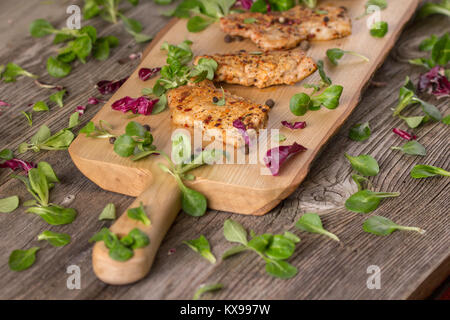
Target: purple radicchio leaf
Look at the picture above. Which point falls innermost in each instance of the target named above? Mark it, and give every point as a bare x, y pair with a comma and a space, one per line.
238, 124
107, 87
141, 105
435, 82
275, 157
134, 56
147, 73
4, 104
16, 164
403, 134
93, 101
246, 4
80, 109
295, 125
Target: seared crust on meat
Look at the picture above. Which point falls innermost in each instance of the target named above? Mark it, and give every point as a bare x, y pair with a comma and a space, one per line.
192, 104
263, 70
285, 30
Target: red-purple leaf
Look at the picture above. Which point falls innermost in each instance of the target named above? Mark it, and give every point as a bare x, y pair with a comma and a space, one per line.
295, 125
147, 73
80, 109
275, 157
135, 56
238, 124
141, 105
246, 4
4, 104
107, 87
16, 164
403, 134
93, 101
435, 82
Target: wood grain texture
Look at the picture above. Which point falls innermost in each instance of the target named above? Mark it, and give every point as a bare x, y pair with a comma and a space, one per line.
226, 185
412, 265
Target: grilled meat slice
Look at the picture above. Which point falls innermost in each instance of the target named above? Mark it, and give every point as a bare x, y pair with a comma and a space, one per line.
193, 105
286, 29
262, 70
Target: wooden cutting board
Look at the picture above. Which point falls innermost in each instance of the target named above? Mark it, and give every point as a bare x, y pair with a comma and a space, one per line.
238, 188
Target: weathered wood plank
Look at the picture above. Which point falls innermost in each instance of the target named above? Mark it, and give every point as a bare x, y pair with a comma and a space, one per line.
326, 269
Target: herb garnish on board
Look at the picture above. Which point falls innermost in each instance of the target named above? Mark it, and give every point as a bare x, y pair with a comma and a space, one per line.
177, 72
300, 103
136, 141
192, 202
121, 249
201, 13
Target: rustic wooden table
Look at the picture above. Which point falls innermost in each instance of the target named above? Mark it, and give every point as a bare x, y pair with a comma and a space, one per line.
411, 265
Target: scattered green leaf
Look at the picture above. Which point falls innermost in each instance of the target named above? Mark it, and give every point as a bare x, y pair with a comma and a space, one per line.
9, 204
274, 249
360, 132
381, 226
311, 222
430, 8
58, 98
413, 148
12, 71
425, 171
201, 246
364, 164
20, 260
366, 201
108, 212
54, 238
206, 288
40, 106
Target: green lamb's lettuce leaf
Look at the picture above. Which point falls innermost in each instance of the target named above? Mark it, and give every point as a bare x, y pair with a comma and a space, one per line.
139, 214
20, 260
54, 238
273, 249
201, 246
9, 204
311, 222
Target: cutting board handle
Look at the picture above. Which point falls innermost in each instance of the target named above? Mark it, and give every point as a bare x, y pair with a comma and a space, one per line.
162, 202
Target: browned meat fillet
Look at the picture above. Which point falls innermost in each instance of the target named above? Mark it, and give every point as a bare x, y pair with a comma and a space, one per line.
262, 70
285, 30
193, 104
